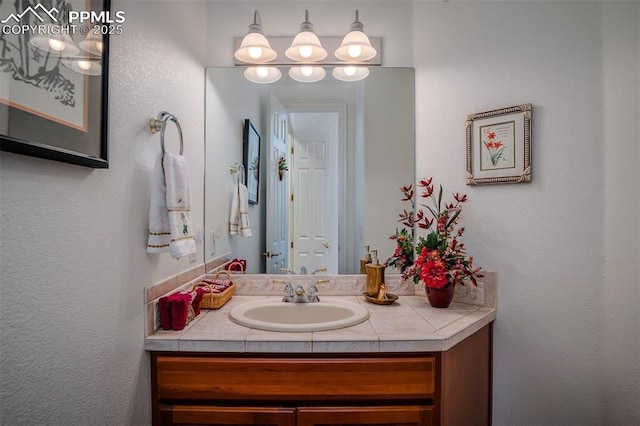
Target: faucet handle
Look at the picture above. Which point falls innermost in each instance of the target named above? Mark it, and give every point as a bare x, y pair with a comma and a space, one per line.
322, 281
279, 281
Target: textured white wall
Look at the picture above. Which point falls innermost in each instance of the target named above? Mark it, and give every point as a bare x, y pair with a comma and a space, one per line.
566, 337
73, 259
620, 373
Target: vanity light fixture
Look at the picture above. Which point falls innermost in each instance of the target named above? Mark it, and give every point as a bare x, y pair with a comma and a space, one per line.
262, 74
307, 73
305, 56
356, 46
306, 46
255, 48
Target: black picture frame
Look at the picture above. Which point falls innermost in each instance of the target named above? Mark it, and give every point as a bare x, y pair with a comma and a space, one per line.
251, 160
27, 131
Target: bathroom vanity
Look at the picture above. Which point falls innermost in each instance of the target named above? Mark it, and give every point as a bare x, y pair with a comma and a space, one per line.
407, 364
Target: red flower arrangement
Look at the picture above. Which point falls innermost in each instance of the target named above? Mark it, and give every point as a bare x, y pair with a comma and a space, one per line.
442, 259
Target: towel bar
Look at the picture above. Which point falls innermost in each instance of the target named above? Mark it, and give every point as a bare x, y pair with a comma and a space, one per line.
238, 168
159, 124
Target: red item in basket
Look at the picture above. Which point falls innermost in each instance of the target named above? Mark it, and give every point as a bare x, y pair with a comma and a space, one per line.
217, 286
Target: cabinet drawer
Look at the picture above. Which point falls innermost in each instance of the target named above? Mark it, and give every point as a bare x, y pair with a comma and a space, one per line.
393, 415
248, 416
294, 379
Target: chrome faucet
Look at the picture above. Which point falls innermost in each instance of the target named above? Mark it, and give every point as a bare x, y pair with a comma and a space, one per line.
299, 295
288, 292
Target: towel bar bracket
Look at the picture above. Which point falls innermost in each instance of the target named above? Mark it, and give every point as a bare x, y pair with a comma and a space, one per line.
158, 124
155, 124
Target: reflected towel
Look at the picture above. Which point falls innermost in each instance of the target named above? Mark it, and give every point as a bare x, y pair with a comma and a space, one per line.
239, 218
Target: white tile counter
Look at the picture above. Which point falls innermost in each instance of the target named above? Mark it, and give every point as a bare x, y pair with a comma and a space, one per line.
408, 325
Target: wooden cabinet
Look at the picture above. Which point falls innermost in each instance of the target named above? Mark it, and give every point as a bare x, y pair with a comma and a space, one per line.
448, 388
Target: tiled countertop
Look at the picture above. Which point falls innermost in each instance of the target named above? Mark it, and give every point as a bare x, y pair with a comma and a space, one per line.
409, 325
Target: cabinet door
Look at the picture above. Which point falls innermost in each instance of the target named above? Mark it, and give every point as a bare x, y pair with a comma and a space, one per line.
338, 416
207, 415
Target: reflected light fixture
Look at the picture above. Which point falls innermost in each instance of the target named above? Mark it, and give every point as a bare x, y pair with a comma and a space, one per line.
350, 73
356, 46
306, 46
56, 41
83, 66
255, 48
262, 74
307, 73
92, 44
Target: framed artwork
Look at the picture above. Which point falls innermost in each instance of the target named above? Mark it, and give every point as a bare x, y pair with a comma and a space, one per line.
53, 80
251, 154
499, 146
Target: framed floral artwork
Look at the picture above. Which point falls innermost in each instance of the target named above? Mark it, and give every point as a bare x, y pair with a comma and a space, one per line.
499, 146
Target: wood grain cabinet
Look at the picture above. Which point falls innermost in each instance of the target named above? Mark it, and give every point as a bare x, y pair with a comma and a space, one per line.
433, 388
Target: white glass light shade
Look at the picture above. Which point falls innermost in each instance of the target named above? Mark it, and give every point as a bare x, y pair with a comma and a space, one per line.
350, 73
55, 42
255, 48
355, 46
306, 46
262, 74
92, 44
307, 74
83, 66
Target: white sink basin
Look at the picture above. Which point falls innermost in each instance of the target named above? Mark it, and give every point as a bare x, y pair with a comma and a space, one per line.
276, 315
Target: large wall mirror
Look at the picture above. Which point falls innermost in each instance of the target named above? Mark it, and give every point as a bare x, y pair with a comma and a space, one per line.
333, 157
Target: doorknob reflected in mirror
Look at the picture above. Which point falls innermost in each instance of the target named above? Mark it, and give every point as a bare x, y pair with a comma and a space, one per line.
325, 244
269, 254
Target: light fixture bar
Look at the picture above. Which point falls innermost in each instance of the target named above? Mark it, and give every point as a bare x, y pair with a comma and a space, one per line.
330, 43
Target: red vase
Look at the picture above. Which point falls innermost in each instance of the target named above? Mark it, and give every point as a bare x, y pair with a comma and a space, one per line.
440, 297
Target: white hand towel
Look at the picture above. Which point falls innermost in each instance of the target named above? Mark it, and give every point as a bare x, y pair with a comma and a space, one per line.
179, 205
239, 218
159, 231
170, 226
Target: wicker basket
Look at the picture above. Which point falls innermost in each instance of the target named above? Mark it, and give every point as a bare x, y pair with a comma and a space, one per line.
236, 266
211, 299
